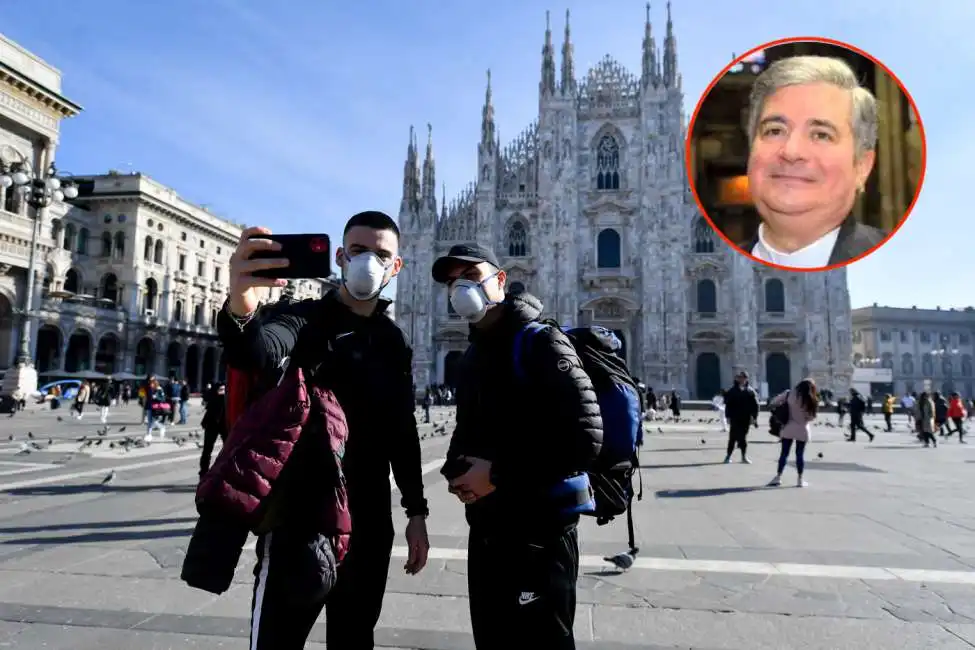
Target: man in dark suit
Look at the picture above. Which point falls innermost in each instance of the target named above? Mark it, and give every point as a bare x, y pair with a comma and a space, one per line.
813, 134
853, 239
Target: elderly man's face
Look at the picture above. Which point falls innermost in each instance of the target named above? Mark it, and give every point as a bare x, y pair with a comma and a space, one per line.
802, 170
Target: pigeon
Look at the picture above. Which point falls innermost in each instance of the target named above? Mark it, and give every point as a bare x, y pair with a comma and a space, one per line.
30, 434
121, 429
50, 441
820, 454
623, 561
109, 478
10, 437
703, 441
60, 419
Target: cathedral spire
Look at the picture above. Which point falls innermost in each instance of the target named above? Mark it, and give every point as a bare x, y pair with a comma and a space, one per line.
487, 118
568, 68
670, 53
547, 86
443, 203
410, 188
430, 175
650, 75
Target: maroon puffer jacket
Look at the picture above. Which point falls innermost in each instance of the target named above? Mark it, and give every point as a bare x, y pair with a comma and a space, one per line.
260, 443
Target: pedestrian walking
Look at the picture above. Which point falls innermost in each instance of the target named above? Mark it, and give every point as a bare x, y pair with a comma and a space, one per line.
926, 419
214, 424
957, 414
801, 406
888, 409
81, 399
718, 404
103, 400
857, 407
350, 336
741, 409
518, 466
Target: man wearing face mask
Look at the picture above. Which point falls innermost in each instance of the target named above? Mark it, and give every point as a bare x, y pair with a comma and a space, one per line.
517, 442
370, 361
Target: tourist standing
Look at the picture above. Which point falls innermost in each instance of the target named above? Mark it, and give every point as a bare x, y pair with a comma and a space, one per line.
803, 404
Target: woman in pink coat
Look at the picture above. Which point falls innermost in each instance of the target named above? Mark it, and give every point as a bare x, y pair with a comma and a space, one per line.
803, 404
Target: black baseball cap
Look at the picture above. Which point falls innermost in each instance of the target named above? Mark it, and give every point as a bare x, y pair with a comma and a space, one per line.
462, 254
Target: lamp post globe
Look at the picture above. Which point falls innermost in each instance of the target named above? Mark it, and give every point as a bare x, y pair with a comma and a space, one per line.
39, 190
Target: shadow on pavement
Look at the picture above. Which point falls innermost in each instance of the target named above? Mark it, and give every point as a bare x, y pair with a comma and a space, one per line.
134, 523
681, 465
103, 536
906, 445
708, 492
60, 490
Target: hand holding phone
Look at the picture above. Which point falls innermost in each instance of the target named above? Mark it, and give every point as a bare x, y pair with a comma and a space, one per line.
307, 255
255, 252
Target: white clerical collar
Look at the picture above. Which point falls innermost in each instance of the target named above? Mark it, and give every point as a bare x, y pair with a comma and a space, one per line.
813, 256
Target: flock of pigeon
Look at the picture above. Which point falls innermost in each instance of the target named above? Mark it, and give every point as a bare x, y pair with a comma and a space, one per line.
126, 444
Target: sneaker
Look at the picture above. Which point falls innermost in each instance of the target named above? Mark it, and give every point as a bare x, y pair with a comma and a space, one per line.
148, 437
727, 460
745, 459
775, 482
800, 483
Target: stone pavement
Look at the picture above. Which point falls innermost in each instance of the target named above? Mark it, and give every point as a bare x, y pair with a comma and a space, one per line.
879, 551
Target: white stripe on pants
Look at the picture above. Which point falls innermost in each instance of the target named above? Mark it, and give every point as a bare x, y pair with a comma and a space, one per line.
259, 593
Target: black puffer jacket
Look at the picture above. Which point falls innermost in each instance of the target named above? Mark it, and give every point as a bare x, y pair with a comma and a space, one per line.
741, 404
536, 431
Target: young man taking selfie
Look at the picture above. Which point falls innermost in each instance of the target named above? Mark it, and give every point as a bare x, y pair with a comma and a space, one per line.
369, 362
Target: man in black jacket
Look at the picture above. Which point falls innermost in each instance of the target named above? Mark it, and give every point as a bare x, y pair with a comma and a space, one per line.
741, 411
519, 439
370, 360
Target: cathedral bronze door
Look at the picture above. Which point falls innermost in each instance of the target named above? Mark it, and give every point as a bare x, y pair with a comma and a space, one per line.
707, 375
451, 368
778, 373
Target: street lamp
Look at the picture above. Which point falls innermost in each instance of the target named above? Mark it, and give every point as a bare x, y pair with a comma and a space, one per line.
39, 190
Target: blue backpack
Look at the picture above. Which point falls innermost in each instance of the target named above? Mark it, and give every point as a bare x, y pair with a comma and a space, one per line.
611, 478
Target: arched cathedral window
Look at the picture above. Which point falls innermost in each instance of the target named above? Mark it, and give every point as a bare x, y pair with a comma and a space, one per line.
703, 237
517, 240
607, 164
774, 296
608, 253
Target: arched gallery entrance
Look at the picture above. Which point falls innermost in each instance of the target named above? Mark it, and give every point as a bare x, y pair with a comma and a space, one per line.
78, 357
145, 357
48, 350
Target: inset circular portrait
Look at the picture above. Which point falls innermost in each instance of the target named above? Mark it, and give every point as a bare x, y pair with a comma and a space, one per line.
806, 154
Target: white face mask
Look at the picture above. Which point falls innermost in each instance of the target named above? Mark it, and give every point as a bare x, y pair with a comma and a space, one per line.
364, 276
469, 299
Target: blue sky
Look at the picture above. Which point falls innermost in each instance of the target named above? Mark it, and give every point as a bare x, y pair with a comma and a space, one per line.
296, 114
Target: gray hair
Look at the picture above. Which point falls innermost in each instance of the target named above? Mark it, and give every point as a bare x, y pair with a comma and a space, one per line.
797, 70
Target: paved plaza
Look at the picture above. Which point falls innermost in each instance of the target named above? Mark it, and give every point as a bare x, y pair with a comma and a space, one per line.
879, 551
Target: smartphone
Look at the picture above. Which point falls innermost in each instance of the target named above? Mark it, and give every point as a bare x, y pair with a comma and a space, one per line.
455, 468
310, 256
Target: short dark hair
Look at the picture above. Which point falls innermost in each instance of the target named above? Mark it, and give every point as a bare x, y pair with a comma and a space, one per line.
371, 219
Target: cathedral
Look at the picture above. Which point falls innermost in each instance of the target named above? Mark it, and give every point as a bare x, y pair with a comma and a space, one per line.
589, 210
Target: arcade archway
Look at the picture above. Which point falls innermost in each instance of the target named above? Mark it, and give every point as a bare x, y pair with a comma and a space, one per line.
106, 354
145, 357
50, 340
78, 357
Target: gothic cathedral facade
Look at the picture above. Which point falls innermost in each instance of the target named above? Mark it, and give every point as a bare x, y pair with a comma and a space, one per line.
589, 210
